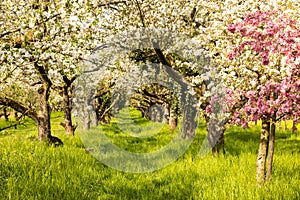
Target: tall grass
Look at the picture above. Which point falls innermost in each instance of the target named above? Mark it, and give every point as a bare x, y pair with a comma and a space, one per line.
32, 170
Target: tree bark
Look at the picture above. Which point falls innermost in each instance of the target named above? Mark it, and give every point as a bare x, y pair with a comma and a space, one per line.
271, 150
294, 128
94, 118
44, 127
173, 121
166, 113
215, 130
43, 118
262, 152
189, 113
5, 113
86, 117
189, 122
68, 126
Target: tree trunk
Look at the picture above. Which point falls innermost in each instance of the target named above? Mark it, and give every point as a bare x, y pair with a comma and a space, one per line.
215, 130
44, 128
145, 113
189, 122
86, 118
262, 152
5, 114
188, 130
68, 126
271, 150
166, 113
173, 121
43, 121
16, 116
94, 118
294, 128
42, 118
156, 113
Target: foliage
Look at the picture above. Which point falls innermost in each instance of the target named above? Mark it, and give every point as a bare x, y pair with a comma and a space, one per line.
271, 34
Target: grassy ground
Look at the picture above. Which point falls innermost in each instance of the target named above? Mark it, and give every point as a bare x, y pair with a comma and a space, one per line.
32, 170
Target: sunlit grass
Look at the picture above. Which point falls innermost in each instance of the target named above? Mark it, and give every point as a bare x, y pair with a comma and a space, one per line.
32, 170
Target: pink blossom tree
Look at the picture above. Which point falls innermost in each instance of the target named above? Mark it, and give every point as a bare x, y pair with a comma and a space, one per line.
275, 39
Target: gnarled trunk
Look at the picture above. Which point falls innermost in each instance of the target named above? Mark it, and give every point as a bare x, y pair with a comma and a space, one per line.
44, 128
68, 126
262, 152
215, 130
189, 122
43, 118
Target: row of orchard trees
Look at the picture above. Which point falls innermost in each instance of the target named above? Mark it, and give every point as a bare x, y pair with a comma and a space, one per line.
41, 43
256, 56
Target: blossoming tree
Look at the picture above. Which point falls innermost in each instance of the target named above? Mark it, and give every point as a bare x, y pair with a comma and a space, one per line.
275, 39
41, 43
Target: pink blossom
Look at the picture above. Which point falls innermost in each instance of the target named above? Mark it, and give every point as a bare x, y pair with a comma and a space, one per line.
208, 109
231, 28
232, 55
265, 61
269, 33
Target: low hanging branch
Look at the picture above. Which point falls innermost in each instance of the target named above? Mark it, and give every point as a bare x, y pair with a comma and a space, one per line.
113, 3
18, 107
10, 126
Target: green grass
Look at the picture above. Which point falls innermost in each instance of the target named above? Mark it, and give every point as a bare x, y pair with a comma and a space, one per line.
32, 170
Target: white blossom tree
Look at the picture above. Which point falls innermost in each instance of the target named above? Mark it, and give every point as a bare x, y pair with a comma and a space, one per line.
41, 43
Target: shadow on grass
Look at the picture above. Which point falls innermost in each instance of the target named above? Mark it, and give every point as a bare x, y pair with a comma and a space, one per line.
238, 140
287, 146
128, 120
14, 126
112, 127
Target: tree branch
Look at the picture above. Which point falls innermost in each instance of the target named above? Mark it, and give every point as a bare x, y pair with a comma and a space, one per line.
43, 73
113, 3
27, 27
17, 106
140, 13
161, 57
68, 81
